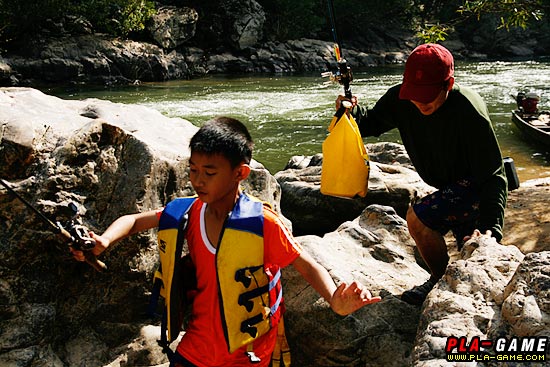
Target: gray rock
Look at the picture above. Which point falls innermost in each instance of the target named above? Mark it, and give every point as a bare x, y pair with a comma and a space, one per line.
526, 305
171, 27
114, 159
391, 184
376, 250
5, 70
250, 25
522, 50
97, 59
466, 301
243, 22
111, 159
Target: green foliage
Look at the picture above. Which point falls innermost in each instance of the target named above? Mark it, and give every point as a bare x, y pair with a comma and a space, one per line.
433, 20
511, 14
433, 33
24, 18
116, 17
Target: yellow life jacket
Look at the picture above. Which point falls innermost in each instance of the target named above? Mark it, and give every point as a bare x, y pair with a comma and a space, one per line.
250, 292
168, 280
345, 170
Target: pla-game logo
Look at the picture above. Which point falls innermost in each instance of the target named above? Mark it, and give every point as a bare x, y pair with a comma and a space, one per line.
527, 349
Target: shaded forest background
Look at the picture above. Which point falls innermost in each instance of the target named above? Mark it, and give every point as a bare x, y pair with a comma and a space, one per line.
22, 21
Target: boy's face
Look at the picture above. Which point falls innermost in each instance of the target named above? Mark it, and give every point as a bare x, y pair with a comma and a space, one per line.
213, 178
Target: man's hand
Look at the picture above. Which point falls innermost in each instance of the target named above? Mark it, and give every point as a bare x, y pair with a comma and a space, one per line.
476, 234
347, 299
342, 98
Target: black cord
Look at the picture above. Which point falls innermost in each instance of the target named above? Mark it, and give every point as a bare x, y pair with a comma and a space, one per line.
330, 4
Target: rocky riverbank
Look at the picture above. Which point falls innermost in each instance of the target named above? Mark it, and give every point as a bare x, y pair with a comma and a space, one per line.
173, 50
112, 159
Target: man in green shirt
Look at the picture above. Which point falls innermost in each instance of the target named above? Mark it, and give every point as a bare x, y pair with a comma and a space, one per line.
448, 135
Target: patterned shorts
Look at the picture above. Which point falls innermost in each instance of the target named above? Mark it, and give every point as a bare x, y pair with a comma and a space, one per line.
452, 208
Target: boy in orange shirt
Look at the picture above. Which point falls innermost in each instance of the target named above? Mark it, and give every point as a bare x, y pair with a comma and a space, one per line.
223, 223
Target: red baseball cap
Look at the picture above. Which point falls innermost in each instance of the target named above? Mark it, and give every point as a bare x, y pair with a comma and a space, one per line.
427, 69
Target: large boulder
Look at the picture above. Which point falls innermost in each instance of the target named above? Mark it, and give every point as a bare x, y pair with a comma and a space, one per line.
248, 26
110, 159
170, 27
526, 300
376, 250
96, 59
230, 26
468, 300
392, 183
489, 291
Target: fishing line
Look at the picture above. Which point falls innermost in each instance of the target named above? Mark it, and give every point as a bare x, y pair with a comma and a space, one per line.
332, 18
344, 75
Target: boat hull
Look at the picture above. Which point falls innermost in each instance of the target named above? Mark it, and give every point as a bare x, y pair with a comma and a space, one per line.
534, 130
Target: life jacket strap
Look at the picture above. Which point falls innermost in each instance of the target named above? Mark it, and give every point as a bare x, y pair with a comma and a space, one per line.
245, 299
154, 299
163, 341
281, 353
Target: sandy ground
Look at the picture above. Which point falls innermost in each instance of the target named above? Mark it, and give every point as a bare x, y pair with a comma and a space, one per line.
527, 217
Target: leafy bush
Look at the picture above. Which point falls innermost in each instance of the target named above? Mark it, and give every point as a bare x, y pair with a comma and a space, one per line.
116, 17
286, 19
23, 18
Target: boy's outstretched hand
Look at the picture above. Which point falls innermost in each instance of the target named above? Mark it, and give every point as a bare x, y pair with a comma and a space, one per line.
343, 299
349, 298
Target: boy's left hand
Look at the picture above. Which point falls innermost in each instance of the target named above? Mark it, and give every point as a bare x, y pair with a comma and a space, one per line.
349, 298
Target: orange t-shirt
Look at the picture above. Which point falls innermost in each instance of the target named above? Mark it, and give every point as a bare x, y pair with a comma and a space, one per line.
204, 343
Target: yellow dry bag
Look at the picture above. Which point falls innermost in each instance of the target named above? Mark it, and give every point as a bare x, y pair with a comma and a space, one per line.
345, 170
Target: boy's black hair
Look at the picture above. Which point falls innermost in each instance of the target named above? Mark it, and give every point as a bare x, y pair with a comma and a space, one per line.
225, 136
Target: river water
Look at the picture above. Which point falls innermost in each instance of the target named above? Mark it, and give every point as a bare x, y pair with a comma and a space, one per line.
288, 114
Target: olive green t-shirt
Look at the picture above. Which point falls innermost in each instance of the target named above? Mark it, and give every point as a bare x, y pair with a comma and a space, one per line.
457, 141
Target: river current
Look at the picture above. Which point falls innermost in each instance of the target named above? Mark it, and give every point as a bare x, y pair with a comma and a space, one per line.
288, 114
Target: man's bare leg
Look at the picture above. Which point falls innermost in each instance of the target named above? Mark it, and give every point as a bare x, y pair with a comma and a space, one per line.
430, 244
433, 249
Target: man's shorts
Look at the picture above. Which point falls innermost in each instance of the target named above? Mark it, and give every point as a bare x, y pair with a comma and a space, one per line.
452, 208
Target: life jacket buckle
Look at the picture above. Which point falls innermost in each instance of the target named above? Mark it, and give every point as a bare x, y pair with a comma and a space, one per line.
249, 329
252, 357
244, 276
247, 303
